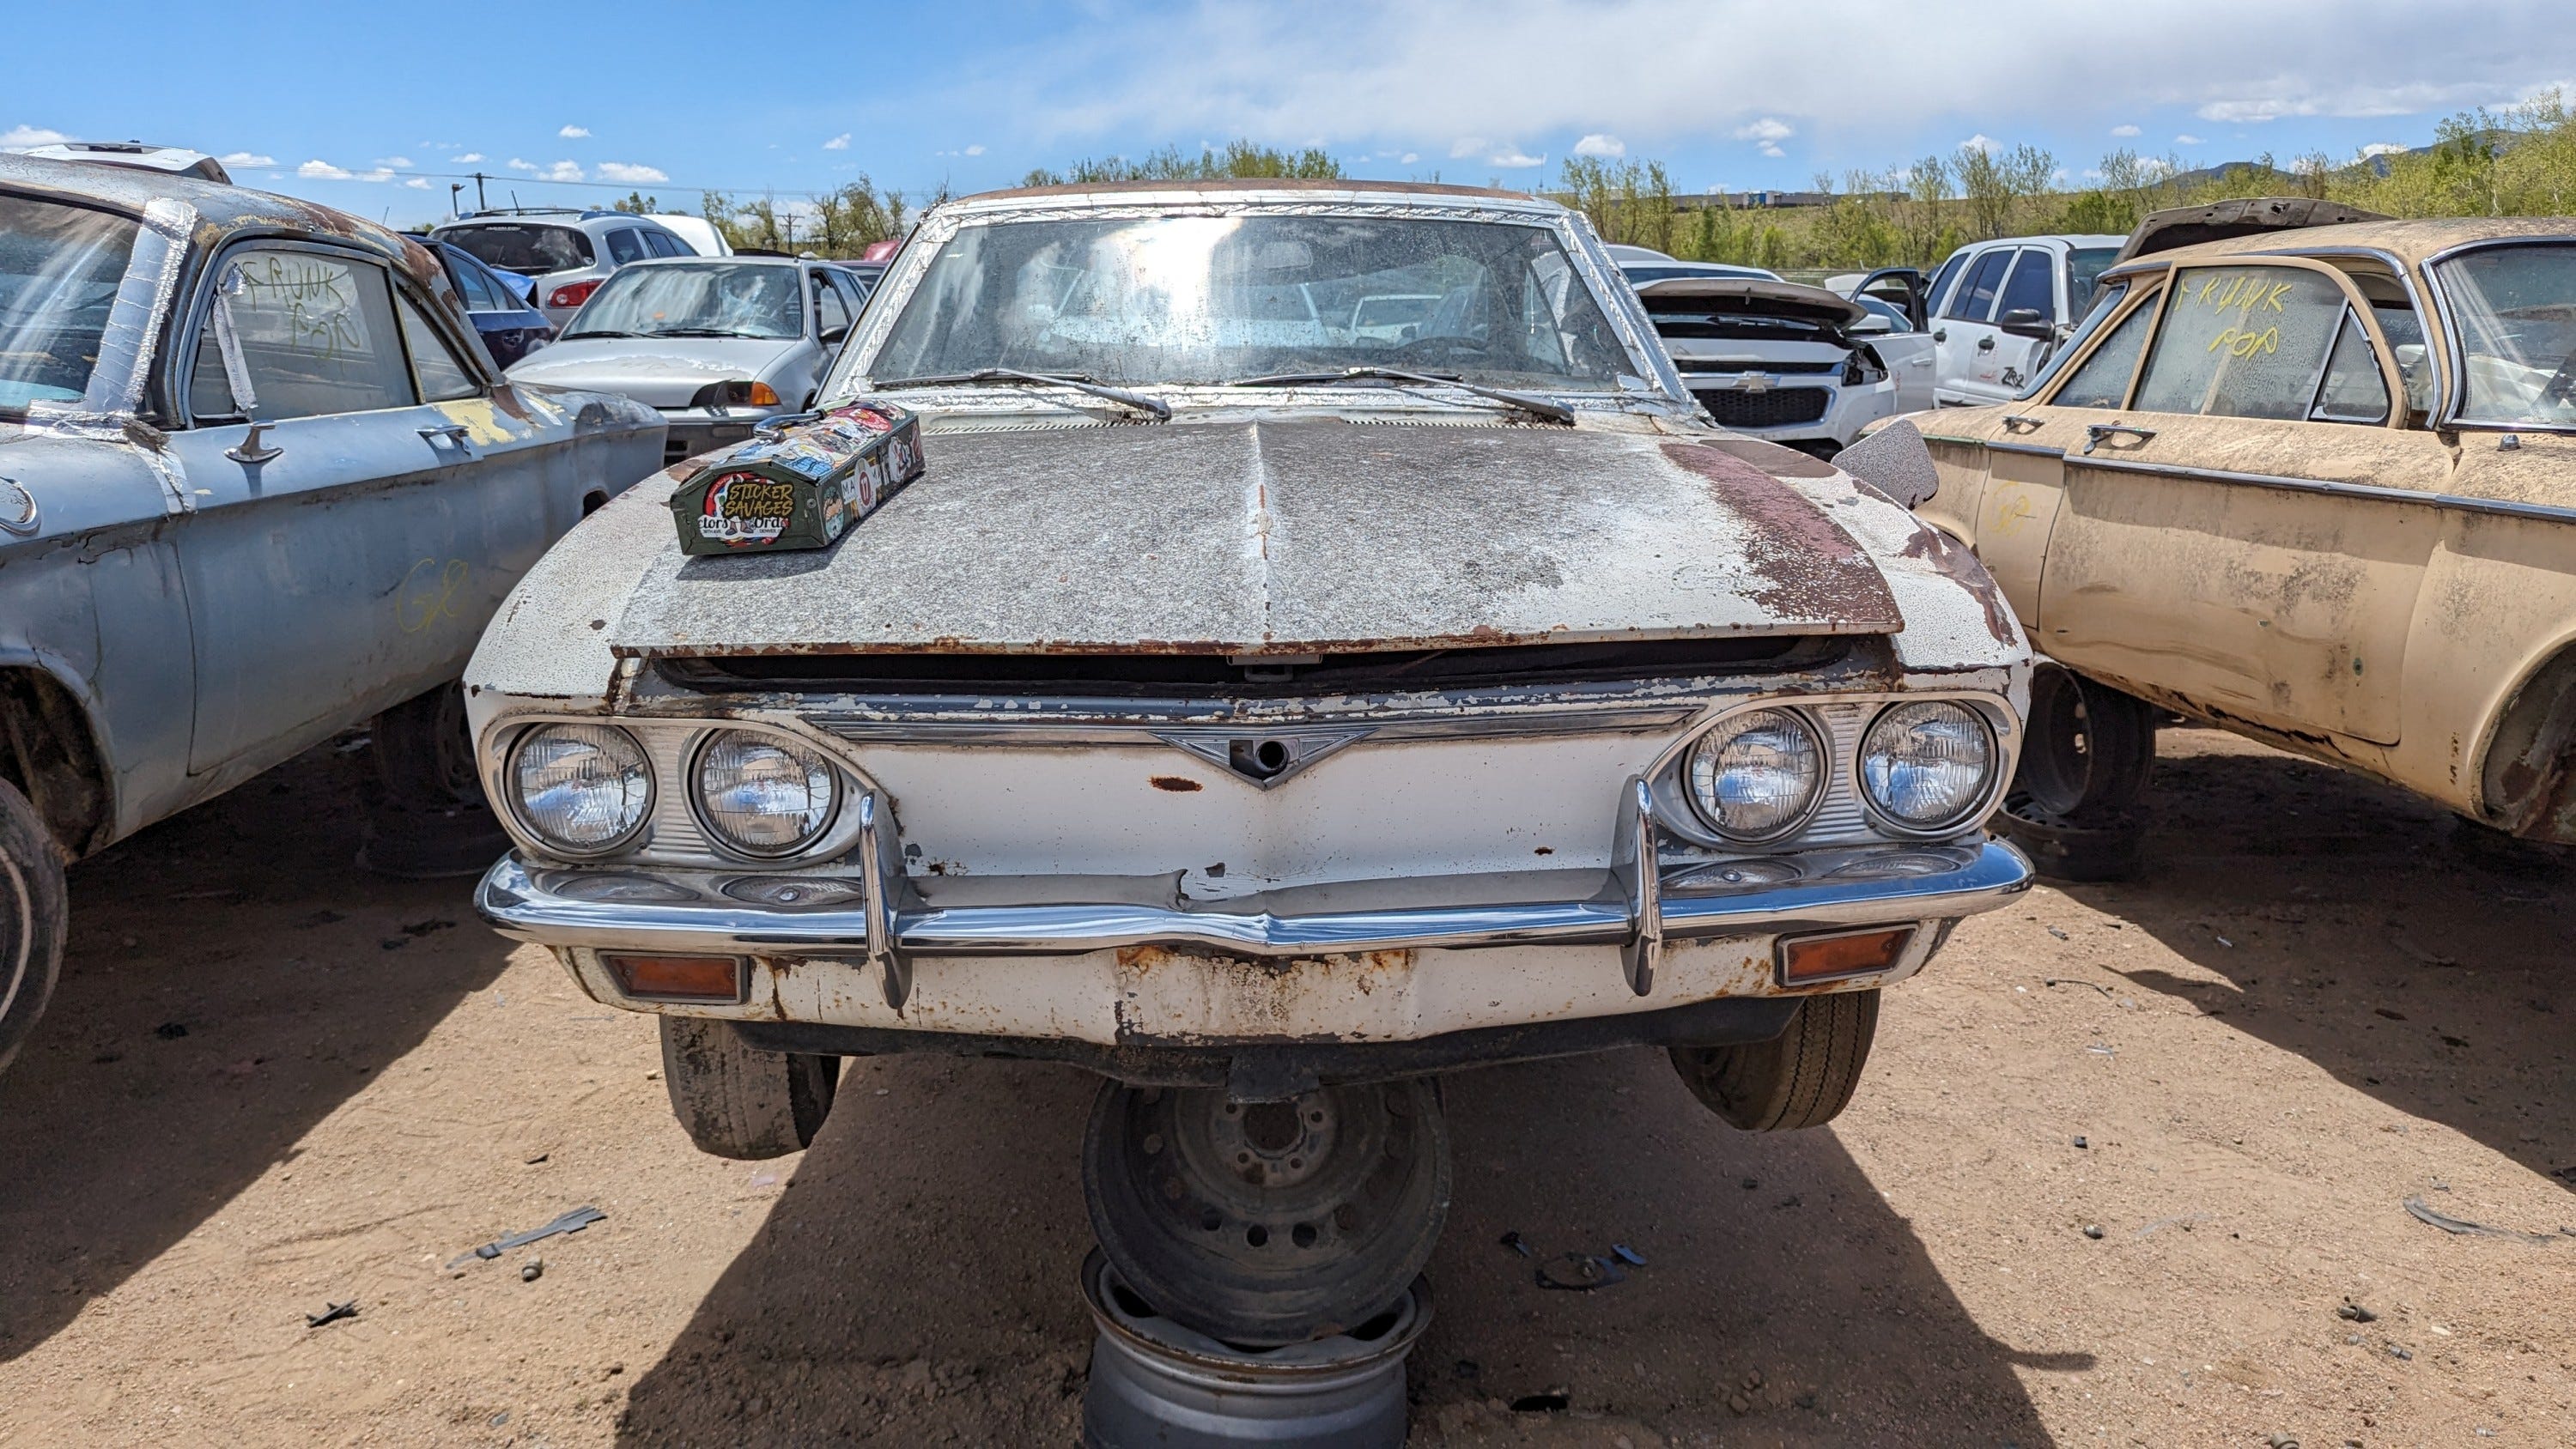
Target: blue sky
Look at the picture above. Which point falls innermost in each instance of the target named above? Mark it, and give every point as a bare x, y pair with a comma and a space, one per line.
375, 110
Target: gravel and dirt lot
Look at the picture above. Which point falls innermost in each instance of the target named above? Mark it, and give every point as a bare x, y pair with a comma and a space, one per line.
270, 1083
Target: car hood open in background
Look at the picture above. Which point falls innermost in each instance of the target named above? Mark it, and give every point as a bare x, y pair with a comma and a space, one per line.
1756, 297
664, 372
1283, 537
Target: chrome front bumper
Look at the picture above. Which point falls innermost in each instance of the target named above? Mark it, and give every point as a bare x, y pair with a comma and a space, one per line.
882, 919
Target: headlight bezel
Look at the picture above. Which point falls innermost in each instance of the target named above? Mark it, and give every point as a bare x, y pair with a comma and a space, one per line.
693, 763
515, 801
1820, 740
1842, 816
1979, 803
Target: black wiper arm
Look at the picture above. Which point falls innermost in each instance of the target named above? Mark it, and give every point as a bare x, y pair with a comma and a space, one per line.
1074, 380
1526, 402
703, 332
594, 332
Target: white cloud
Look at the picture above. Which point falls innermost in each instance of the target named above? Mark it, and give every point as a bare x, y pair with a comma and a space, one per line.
1770, 130
561, 171
2124, 130
246, 158
1772, 149
399, 163
321, 171
1598, 144
518, 165
468, 159
2383, 148
622, 171
573, 133
2254, 112
976, 149
1408, 158
31, 136
2187, 139
1514, 158
1981, 142
418, 183
840, 142
1467, 68
1465, 146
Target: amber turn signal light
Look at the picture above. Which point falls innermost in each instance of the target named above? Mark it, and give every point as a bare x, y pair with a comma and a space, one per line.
1812, 960
677, 978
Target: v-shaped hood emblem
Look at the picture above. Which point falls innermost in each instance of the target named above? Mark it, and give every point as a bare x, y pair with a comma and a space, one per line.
1265, 757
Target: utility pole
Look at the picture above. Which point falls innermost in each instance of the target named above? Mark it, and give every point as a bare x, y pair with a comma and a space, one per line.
479, 203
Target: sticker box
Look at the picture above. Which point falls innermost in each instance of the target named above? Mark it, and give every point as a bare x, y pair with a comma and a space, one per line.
801, 488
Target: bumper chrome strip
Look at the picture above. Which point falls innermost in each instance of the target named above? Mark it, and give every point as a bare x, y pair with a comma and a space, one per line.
1880, 885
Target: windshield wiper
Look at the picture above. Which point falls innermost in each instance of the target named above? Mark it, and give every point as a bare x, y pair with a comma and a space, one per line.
593, 332
1074, 380
1526, 402
704, 332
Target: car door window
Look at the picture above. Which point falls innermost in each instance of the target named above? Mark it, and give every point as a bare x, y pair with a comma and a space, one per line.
2031, 286
2243, 342
625, 244
2353, 391
473, 287
831, 313
443, 377
663, 244
1975, 301
1941, 280
315, 335
2103, 380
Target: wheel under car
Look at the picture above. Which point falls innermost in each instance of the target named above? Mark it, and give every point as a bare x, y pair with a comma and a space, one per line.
740, 1102
2075, 803
1266, 1223
426, 818
33, 918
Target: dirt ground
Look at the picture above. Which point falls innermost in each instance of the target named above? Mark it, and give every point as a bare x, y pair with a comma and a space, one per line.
270, 1083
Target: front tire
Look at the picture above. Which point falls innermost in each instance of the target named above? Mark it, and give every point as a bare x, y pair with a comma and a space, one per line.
2088, 751
34, 917
1801, 1078
739, 1102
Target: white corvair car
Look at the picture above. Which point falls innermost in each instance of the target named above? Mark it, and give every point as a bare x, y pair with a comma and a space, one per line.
1266, 724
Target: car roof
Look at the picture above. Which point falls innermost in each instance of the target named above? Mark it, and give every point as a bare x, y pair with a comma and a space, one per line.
1247, 185
2409, 241
2070, 238
221, 209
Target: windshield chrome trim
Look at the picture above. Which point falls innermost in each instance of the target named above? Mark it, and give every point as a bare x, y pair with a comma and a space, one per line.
1618, 302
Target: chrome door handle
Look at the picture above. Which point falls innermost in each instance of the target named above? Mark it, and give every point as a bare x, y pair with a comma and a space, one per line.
2094, 433
251, 451
456, 433
2015, 422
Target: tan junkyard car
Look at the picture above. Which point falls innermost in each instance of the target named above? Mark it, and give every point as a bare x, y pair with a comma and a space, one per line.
2317, 486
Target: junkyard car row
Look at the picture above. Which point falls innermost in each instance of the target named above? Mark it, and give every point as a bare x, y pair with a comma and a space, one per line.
1333, 641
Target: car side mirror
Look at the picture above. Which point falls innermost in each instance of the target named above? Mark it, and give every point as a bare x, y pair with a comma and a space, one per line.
2025, 322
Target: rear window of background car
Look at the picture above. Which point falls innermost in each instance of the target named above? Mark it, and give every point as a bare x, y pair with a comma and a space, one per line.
1975, 301
522, 247
2242, 342
663, 244
317, 336
625, 244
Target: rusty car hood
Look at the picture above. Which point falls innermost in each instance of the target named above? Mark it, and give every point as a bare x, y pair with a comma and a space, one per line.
1289, 536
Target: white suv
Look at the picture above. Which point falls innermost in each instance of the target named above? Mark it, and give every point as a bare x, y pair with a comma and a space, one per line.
569, 253
1999, 308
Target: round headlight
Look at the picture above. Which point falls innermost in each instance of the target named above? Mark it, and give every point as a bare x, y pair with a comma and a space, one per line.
1926, 765
582, 788
763, 795
1755, 775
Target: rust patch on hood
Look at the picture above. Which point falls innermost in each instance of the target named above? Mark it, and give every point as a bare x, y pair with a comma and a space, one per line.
1954, 559
1805, 563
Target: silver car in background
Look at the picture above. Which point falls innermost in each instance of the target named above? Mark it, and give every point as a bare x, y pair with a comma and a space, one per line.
717, 346
568, 253
259, 482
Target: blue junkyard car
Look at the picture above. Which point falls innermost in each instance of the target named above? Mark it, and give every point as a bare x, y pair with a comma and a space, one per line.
500, 304
258, 484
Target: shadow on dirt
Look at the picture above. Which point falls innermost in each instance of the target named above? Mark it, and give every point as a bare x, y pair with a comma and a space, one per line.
2361, 928
232, 978
863, 1311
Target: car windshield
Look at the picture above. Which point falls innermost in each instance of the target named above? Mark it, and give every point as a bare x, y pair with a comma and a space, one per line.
710, 299
59, 270
2084, 267
523, 247
2516, 307
1206, 299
